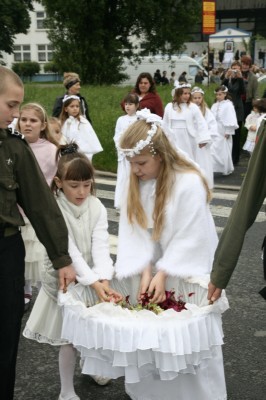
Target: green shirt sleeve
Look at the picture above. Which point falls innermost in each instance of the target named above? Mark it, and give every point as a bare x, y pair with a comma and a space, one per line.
243, 215
40, 206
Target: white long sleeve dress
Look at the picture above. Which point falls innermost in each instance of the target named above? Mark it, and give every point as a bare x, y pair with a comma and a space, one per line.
203, 155
186, 127
123, 167
81, 131
185, 252
221, 148
171, 355
89, 250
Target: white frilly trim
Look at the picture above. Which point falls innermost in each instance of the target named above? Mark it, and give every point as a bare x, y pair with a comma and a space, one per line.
27, 333
118, 342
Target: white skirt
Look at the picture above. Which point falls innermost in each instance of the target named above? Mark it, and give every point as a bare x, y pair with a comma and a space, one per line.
249, 145
204, 159
35, 253
165, 356
46, 319
181, 139
221, 151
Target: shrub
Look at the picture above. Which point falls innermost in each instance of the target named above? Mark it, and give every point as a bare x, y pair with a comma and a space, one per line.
26, 69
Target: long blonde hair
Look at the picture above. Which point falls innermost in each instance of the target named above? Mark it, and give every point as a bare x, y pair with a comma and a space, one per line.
42, 115
203, 105
171, 163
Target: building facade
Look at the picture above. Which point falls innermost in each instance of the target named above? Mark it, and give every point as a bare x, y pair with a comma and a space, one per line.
246, 15
33, 46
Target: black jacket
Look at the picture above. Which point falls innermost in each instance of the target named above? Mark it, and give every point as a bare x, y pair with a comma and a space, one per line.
236, 89
58, 107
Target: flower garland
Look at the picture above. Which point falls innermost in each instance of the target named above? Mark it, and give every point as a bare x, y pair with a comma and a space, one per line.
169, 303
155, 120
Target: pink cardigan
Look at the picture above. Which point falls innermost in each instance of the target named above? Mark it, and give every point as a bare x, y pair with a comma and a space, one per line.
45, 153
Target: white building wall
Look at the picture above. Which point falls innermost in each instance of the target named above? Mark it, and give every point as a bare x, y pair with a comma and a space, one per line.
35, 45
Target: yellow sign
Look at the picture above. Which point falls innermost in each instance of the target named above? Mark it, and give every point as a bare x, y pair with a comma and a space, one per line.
208, 17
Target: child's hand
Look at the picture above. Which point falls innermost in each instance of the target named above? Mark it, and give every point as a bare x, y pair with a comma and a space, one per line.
115, 296
253, 128
105, 293
145, 281
157, 288
101, 290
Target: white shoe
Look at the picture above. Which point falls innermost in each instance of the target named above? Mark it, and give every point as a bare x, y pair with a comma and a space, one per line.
100, 380
71, 398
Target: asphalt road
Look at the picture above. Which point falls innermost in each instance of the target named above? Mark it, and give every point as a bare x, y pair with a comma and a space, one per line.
244, 330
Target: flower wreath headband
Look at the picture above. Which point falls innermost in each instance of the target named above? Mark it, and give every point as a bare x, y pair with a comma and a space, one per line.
197, 90
225, 90
182, 85
155, 120
68, 97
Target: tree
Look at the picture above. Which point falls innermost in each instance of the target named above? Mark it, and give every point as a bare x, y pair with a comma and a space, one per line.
51, 67
26, 69
93, 37
14, 19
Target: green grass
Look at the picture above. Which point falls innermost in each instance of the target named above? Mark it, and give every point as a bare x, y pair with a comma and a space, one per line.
104, 105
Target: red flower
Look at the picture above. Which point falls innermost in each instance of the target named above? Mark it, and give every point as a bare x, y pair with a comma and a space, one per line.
170, 302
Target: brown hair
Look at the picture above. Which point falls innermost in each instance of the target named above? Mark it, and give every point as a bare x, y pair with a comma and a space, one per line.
64, 115
260, 104
70, 78
171, 163
177, 96
246, 60
131, 98
148, 76
222, 88
236, 63
73, 166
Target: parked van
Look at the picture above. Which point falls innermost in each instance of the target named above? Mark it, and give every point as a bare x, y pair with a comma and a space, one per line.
178, 64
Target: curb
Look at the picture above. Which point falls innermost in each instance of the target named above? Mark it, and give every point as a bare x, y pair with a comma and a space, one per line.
217, 186
227, 187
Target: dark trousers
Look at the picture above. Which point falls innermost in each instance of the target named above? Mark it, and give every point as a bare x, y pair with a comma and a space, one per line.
247, 108
236, 144
12, 253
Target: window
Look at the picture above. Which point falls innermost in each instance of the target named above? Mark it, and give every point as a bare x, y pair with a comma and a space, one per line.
22, 53
45, 52
40, 18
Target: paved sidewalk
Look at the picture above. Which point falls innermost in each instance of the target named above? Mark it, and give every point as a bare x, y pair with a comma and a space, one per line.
232, 181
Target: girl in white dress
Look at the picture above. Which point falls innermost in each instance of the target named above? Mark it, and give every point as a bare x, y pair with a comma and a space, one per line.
225, 116
186, 127
33, 124
77, 128
203, 155
166, 238
252, 123
131, 104
86, 219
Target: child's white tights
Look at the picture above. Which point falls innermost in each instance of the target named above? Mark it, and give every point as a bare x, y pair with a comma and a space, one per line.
67, 361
